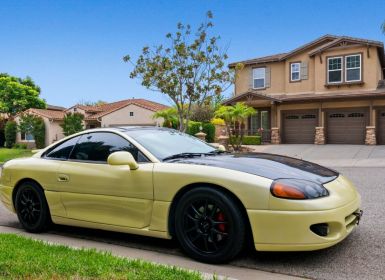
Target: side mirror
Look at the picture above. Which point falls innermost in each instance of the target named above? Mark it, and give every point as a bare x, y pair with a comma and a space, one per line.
122, 158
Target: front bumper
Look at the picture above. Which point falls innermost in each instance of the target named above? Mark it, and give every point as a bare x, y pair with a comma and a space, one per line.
6, 197
290, 230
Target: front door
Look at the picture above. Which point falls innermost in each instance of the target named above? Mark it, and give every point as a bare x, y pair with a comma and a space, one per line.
260, 124
93, 191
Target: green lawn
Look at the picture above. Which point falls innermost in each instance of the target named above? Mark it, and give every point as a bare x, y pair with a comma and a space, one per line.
23, 258
7, 154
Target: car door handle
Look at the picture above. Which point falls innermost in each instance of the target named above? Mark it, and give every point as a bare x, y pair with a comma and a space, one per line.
63, 178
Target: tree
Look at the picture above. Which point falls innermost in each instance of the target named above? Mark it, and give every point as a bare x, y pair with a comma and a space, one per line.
31, 124
92, 103
10, 133
17, 95
73, 123
235, 117
169, 116
190, 69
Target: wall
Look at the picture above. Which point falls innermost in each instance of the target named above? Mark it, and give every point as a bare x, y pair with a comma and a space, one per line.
141, 116
280, 73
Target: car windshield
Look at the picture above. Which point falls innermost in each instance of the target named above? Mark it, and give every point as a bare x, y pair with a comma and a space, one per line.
165, 143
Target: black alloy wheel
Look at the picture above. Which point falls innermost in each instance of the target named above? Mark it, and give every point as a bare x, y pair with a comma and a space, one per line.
209, 225
31, 207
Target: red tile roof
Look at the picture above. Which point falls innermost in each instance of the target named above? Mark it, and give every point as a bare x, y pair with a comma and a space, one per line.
108, 108
51, 114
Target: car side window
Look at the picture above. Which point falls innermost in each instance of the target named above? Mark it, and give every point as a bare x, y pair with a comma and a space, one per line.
63, 150
98, 146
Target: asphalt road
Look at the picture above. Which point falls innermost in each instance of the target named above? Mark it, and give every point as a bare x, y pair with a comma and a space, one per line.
360, 256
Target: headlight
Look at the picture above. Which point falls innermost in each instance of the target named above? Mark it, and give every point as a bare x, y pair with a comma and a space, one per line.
297, 189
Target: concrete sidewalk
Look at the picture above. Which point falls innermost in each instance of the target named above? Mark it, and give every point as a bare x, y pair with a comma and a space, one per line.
207, 270
330, 155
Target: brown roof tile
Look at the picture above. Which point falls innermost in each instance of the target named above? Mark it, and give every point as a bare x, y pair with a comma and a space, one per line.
329, 40
108, 108
51, 114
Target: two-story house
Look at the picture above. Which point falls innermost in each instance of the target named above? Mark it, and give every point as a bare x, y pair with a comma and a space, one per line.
331, 90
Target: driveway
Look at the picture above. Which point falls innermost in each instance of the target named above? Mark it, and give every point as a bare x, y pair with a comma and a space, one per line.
331, 155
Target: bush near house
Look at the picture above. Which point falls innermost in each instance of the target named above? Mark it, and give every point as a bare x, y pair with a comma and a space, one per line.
10, 133
31, 124
248, 140
208, 128
61, 262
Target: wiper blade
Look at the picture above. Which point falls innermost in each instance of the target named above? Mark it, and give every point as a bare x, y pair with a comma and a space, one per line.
183, 155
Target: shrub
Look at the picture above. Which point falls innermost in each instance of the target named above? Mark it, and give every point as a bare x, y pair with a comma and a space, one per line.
38, 132
208, 128
72, 123
34, 125
218, 121
10, 133
203, 113
20, 146
248, 140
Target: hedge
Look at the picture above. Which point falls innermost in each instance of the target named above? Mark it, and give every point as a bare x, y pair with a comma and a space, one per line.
250, 140
208, 128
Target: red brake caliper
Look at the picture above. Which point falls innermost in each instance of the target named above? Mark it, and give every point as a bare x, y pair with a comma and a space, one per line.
221, 218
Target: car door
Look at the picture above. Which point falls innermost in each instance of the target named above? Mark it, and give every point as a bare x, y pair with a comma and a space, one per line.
94, 191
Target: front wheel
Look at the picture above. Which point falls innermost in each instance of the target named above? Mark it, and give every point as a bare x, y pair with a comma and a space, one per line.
209, 225
31, 207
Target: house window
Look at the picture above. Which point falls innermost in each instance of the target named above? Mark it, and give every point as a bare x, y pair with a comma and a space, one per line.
353, 68
259, 76
27, 137
131, 114
295, 71
334, 70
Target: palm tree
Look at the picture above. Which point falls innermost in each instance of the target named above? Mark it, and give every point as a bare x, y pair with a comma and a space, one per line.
235, 116
169, 116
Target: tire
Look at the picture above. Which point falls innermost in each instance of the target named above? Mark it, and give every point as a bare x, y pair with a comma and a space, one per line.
209, 225
31, 207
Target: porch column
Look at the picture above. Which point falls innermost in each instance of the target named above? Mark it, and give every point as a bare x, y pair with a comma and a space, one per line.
320, 129
275, 121
370, 137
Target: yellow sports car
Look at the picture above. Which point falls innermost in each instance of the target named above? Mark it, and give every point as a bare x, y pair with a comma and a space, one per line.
162, 183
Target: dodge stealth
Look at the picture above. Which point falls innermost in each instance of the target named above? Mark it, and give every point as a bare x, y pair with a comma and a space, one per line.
163, 183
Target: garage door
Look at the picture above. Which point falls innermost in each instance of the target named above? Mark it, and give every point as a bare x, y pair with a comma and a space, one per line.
346, 127
299, 127
381, 127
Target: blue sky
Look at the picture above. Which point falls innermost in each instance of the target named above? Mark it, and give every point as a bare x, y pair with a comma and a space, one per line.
73, 48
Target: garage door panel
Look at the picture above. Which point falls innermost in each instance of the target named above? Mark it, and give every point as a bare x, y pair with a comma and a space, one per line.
346, 126
299, 127
381, 127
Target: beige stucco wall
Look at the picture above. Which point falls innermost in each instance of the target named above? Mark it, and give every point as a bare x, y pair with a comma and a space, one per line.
141, 116
277, 71
369, 69
280, 73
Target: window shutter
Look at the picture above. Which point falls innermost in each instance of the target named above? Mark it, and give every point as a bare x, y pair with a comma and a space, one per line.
304, 71
251, 78
267, 77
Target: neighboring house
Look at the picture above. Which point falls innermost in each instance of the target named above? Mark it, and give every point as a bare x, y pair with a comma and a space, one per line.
121, 113
331, 90
53, 117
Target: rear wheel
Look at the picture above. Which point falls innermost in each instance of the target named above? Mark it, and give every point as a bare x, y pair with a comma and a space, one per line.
31, 207
209, 225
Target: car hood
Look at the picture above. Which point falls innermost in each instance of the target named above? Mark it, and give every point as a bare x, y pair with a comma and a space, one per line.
266, 165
